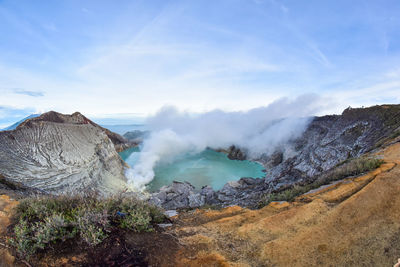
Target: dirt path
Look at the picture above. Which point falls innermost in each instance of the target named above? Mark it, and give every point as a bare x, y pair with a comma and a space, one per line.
355, 222
6, 206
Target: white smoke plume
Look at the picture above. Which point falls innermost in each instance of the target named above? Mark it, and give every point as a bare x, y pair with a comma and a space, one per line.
258, 131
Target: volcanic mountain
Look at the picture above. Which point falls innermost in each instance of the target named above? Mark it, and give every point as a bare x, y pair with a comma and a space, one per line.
60, 153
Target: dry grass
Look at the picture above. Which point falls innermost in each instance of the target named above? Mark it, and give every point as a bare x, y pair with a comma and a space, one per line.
348, 168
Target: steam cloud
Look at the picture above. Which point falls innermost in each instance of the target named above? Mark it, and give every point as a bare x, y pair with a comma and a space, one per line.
258, 131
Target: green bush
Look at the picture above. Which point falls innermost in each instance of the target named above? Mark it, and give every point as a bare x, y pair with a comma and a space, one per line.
345, 169
43, 221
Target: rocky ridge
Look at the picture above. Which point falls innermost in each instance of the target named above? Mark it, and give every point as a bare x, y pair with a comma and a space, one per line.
327, 141
59, 153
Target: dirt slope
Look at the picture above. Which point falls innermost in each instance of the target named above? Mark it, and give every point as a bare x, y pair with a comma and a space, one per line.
355, 222
6, 206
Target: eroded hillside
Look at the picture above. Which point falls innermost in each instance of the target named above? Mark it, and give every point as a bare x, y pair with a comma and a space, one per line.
62, 153
354, 222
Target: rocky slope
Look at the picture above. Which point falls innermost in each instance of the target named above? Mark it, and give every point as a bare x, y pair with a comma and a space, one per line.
60, 153
354, 222
327, 141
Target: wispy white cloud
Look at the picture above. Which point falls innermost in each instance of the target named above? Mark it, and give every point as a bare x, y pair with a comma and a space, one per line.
394, 73
312, 46
21, 91
383, 92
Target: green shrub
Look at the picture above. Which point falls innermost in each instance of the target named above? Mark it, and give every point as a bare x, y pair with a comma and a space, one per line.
44, 221
345, 169
136, 220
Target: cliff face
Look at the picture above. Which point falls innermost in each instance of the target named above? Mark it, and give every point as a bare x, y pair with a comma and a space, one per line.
330, 140
62, 154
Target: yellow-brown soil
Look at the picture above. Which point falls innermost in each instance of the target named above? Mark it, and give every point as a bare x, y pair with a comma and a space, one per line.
355, 222
6, 206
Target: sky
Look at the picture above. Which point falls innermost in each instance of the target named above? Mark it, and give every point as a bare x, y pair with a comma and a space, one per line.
126, 59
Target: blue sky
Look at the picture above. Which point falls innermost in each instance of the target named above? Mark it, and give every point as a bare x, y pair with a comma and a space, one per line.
129, 58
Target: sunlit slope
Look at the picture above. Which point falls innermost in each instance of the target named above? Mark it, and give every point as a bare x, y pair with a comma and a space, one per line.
355, 222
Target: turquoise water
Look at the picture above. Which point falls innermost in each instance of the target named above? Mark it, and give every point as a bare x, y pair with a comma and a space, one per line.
206, 168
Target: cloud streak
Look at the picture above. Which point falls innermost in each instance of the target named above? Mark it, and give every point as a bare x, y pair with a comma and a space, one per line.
20, 91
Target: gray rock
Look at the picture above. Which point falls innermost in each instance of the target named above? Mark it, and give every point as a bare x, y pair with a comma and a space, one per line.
161, 196
155, 201
170, 213
177, 195
235, 153
196, 200
164, 225
327, 141
62, 154
230, 188
209, 194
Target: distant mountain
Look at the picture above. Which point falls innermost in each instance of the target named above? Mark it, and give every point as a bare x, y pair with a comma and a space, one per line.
136, 135
124, 128
15, 125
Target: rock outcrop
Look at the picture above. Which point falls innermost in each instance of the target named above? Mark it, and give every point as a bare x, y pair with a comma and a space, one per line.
329, 140
178, 195
63, 154
246, 192
236, 153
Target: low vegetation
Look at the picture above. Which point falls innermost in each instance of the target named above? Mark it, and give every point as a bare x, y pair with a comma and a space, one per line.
345, 169
45, 221
387, 139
